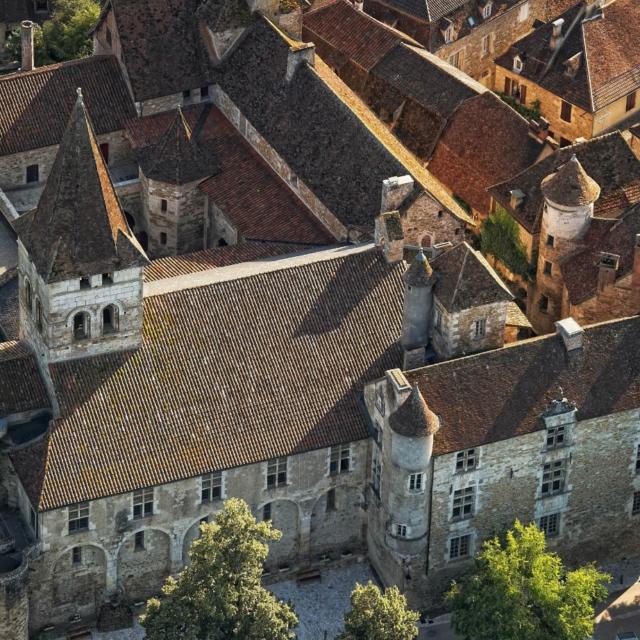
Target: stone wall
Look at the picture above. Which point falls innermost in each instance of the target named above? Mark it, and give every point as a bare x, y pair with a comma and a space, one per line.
426, 223
115, 565
14, 605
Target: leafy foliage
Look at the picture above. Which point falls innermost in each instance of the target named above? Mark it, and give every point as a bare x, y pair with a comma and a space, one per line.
378, 616
65, 36
518, 590
531, 113
499, 237
219, 595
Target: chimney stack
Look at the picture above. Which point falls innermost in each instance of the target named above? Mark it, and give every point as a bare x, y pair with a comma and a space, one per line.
607, 268
389, 236
571, 333
26, 40
556, 35
394, 192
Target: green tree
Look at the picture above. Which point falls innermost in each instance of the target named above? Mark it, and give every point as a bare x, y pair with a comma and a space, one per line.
518, 590
378, 616
500, 237
219, 595
40, 53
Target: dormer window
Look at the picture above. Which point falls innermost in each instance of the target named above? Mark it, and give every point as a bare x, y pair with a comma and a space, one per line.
518, 64
486, 10
447, 31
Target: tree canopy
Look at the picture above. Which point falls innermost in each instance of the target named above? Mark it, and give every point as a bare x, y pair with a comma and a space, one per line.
219, 595
65, 36
518, 589
378, 616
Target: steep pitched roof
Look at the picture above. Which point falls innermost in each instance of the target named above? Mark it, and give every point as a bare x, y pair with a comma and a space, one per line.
79, 228
36, 104
177, 157
485, 142
607, 159
223, 15
500, 394
22, 386
618, 237
570, 185
465, 280
413, 418
273, 366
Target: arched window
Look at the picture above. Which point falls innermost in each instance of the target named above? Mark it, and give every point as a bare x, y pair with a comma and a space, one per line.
38, 315
81, 326
110, 319
27, 295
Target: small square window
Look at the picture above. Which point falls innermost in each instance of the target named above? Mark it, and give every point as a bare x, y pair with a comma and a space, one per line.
550, 241
466, 460
547, 268
211, 486
107, 278
340, 459
553, 477
76, 555
556, 436
331, 500
463, 503
204, 92
277, 473
459, 547
401, 530
266, 511
79, 517
138, 544
550, 524
635, 507
33, 173
143, 502
186, 94
416, 482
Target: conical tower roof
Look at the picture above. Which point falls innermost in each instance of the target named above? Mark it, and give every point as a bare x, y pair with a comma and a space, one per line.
571, 186
79, 228
413, 418
177, 158
419, 273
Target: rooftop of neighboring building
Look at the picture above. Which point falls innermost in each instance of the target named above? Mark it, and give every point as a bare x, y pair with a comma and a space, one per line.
36, 104
606, 159
23, 389
464, 279
618, 237
484, 142
600, 42
501, 394
238, 181
9, 310
172, 266
241, 366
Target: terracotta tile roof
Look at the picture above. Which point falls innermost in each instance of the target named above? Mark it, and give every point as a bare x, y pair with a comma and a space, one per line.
485, 142
352, 33
36, 104
148, 30
500, 394
413, 418
172, 266
22, 386
229, 374
580, 269
464, 279
516, 317
610, 68
9, 310
607, 159
79, 227
570, 185
243, 186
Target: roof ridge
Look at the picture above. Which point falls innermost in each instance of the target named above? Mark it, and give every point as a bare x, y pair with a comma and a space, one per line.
462, 268
56, 65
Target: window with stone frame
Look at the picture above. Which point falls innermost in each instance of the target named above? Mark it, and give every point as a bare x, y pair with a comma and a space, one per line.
331, 500
76, 555
380, 401
376, 471
486, 42
277, 473
78, 517
547, 268
28, 296
211, 488
266, 512
32, 173
550, 524
340, 459
553, 477
81, 326
138, 541
635, 506
463, 503
566, 109
143, 502
638, 458
543, 304
486, 10
110, 318
416, 482
550, 241
556, 436
479, 328
401, 530
460, 547
631, 102
466, 460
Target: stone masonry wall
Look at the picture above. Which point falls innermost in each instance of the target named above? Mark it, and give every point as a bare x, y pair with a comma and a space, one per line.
426, 223
115, 564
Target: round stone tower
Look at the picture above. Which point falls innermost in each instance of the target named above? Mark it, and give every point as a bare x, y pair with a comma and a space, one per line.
569, 197
418, 308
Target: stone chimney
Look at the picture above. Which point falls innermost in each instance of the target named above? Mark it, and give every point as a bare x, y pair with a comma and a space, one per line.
573, 64
516, 198
359, 4
394, 192
26, 39
299, 53
571, 333
607, 269
389, 236
556, 34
